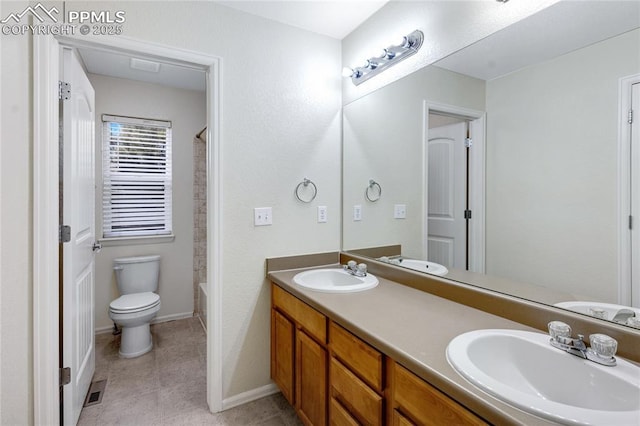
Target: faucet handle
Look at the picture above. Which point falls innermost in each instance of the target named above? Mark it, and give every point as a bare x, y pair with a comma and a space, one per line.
559, 329
603, 345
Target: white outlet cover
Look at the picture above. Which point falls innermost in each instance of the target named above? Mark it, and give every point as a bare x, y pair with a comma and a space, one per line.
357, 213
400, 211
322, 214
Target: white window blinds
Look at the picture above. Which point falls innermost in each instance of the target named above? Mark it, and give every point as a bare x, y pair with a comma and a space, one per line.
136, 166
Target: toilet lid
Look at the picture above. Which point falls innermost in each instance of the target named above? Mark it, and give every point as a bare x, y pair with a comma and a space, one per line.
134, 302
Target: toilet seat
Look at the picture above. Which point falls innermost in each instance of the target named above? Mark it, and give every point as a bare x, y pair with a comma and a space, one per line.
135, 302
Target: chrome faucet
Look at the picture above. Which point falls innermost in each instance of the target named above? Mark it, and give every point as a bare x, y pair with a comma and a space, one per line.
358, 270
394, 260
602, 350
623, 315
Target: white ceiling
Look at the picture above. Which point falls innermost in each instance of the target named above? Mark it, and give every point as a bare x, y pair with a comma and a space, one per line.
332, 18
118, 65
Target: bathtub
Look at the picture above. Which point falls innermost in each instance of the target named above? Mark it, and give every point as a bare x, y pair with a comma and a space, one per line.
202, 304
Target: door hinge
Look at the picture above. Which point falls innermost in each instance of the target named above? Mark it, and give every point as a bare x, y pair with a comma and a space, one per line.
467, 214
630, 222
64, 91
64, 234
65, 376
630, 120
468, 142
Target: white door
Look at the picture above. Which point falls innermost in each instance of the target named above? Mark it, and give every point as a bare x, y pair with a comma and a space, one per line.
78, 265
447, 195
635, 195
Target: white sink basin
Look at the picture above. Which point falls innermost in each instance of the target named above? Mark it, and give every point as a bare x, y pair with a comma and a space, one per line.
522, 369
334, 281
424, 266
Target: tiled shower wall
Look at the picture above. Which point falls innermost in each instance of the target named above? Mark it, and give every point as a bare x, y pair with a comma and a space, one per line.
199, 218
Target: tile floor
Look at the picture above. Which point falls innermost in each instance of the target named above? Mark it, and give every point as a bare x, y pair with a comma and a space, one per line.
167, 386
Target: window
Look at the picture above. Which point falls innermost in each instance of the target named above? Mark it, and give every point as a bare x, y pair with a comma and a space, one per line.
136, 169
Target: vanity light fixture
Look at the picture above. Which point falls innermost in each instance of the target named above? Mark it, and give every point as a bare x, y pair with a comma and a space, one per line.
388, 57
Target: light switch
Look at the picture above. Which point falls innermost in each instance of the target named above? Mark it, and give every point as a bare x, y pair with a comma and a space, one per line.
400, 211
262, 216
357, 213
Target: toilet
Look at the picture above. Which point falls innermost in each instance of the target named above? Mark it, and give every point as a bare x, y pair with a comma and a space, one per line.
138, 304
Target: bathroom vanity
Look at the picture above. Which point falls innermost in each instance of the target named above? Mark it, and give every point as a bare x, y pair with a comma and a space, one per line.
379, 356
332, 376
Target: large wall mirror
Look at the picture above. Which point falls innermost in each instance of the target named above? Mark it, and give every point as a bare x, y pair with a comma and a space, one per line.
509, 163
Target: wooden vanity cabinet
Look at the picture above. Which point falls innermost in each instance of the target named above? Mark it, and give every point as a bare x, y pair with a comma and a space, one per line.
412, 401
299, 355
333, 377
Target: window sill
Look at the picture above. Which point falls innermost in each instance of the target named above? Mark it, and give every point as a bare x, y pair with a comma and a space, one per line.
134, 241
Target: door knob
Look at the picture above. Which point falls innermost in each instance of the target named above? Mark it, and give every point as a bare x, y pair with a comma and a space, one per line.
97, 246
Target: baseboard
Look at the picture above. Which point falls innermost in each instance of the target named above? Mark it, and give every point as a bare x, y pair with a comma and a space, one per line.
249, 396
164, 318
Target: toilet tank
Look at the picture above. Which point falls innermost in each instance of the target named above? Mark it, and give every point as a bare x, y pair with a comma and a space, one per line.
137, 274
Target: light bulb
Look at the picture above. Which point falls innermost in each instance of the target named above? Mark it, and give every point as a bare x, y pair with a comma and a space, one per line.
401, 41
347, 72
371, 64
380, 53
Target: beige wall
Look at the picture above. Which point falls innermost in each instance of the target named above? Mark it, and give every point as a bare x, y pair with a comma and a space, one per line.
552, 169
186, 109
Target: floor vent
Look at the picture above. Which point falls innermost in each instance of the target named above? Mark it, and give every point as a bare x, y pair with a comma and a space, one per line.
96, 390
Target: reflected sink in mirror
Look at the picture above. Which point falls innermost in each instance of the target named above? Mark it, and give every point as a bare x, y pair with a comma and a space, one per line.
521, 368
334, 281
618, 313
417, 265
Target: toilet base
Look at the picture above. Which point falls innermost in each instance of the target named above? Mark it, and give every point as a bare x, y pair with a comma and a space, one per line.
135, 341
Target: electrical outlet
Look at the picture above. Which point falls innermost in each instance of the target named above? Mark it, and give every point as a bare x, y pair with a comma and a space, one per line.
357, 213
400, 211
322, 214
262, 216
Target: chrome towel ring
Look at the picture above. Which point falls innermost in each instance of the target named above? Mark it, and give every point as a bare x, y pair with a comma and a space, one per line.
302, 188
373, 191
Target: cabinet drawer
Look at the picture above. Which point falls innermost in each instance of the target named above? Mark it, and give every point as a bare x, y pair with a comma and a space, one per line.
339, 416
425, 404
361, 358
354, 394
400, 420
311, 320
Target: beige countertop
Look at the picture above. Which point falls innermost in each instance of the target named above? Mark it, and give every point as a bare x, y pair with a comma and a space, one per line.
414, 328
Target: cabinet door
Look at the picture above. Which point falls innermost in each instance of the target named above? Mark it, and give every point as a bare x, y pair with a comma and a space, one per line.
311, 380
282, 355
